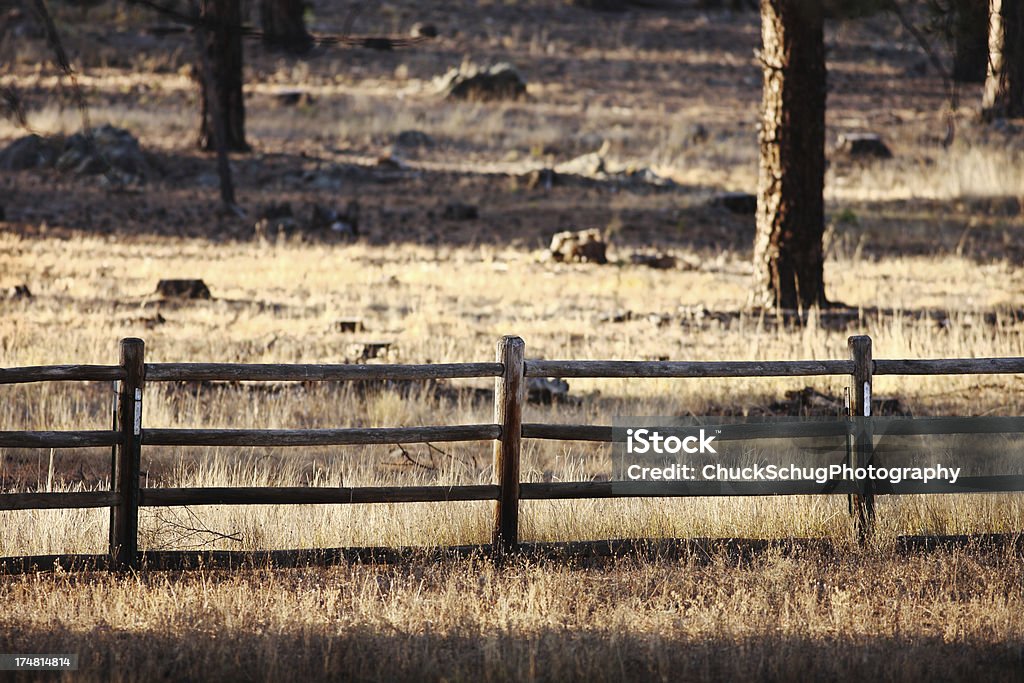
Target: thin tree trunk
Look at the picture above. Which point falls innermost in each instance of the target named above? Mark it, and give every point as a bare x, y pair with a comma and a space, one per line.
1004, 85
788, 256
223, 51
284, 26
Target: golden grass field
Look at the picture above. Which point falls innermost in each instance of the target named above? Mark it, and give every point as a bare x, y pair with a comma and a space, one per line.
923, 246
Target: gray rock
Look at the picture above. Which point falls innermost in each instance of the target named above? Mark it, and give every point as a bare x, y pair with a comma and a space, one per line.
324, 218
657, 261
109, 150
585, 246
183, 289
546, 390
422, 30
31, 151
862, 146
469, 82
18, 292
413, 138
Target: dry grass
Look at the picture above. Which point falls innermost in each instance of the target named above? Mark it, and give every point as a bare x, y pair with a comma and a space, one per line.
815, 615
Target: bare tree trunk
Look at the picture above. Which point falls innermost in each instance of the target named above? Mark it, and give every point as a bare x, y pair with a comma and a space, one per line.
283, 25
1004, 85
223, 51
788, 256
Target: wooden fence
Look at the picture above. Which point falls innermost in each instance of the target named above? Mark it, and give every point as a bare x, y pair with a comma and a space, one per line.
511, 370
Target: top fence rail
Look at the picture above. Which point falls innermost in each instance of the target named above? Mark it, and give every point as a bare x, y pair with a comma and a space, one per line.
238, 372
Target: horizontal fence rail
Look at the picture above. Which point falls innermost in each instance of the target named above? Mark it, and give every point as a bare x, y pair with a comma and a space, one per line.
955, 366
307, 495
61, 373
318, 437
641, 368
58, 500
82, 439
510, 371
233, 372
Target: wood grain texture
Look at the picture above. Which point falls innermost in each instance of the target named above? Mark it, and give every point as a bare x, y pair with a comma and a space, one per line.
637, 368
318, 437
236, 372
61, 373
304, 495
57, 501
509, 396
75, 439
950, 366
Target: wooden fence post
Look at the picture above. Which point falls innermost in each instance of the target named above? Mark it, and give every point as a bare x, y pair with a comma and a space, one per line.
124, 519
509, 394
862, 506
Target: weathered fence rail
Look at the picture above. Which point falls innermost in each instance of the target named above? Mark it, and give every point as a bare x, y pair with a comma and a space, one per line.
510, 370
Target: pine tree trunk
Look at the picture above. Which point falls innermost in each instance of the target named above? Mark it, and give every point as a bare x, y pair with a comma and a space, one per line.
224, 55
970, 41
1004, 85
788, 257
283, 25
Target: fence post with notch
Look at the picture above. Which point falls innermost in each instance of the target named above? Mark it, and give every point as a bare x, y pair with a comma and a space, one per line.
124, 518
862, 505
509, 395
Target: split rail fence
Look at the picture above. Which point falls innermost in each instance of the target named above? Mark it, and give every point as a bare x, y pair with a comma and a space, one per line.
511, 370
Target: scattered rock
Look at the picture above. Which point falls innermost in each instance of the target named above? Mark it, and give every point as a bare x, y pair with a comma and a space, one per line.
588, 165
862, 146
742, 203
616, 317
18, 292
659, 319
368, 350
391, 162
811, 402
292, 98
422, 30
183, 289
31, 151
152, 321
545, 178
349, 325
658, 261
275, 219
547, 390
456, 211
413, 138
470, 82
109, 150
698, 133
586, 246
344, 223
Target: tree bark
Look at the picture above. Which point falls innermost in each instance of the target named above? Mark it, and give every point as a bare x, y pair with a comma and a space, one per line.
283, 25
788, 255
1004, 85
970, 41
223, 47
